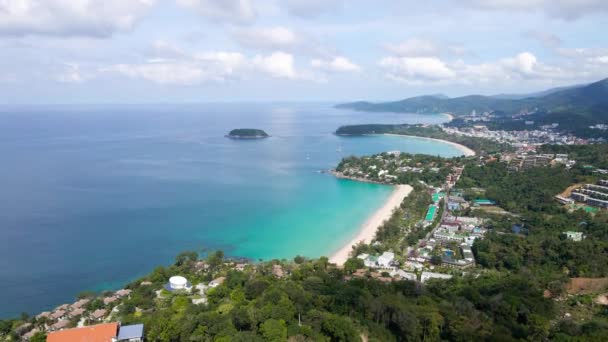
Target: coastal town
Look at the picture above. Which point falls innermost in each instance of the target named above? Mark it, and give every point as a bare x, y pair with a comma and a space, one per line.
446, 246
529, 134
456, 217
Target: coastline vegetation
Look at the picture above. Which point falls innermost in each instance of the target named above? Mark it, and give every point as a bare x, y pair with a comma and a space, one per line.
398, 168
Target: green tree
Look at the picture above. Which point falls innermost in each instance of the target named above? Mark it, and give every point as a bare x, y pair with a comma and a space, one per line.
274, 330
38, 337
186, 257
353, 264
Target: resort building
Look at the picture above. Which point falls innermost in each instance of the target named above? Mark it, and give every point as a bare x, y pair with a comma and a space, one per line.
402, 275
574, 236
27, 336
453, 205
109, 300
592, 194
368, 260
59, 314
217, 282
430, 275
59, 325
44, 314
80, 303
123, 293
131, 333
98, 314
94, 333
483, 202
107, 332
386, 259
467, 253
77, 312
445, 236
62, 307
564, 200
277, 271
178, 283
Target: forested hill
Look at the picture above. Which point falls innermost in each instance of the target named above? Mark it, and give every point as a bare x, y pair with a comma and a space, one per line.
591, 100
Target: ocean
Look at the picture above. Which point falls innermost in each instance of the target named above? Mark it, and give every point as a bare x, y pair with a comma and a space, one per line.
92, 197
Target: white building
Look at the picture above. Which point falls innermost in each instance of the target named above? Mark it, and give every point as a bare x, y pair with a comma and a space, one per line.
217, 282
403, 275
370, 261
386, 259
430, 275
178, 283
574, 236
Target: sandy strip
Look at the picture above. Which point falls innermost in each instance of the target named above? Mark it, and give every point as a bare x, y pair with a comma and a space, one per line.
449, 116
465, 150
368, 229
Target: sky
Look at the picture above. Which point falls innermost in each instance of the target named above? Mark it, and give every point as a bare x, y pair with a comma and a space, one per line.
151, 51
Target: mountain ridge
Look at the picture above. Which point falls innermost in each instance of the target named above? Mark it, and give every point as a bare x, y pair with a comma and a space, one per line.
590, 99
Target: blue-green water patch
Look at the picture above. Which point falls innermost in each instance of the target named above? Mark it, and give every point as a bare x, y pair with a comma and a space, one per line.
94, 196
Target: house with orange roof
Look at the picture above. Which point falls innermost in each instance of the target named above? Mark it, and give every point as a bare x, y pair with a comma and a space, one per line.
94, 333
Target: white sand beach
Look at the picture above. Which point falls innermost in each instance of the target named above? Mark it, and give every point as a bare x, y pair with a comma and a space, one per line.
465, 150
368, 229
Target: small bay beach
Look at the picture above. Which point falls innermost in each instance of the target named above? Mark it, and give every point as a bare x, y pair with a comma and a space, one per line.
465, 150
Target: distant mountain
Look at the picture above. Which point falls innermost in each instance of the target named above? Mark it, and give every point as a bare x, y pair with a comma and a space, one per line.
591, 100
536, 94
440, 96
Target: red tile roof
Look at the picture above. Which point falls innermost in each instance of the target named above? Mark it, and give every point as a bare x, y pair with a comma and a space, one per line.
93, 333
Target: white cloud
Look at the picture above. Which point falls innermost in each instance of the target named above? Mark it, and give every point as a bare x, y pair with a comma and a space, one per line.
336, 64
413, 48
524, 66
71, 74
416, 47
70, 17
547, 39
172, 65
416, 68
273, 38
278, 64
233, 11
313, 8
563, 9
600, 59
204, 67
162, 72
280, 38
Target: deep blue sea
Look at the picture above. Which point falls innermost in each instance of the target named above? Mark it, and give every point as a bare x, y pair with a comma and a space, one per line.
94, 196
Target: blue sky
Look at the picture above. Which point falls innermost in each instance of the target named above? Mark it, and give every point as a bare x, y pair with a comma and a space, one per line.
138, 51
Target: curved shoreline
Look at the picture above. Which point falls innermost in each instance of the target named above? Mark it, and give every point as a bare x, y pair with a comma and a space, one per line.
368, 229
465, 150
450, 116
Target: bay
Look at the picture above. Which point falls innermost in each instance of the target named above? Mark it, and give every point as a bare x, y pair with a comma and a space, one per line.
94, 196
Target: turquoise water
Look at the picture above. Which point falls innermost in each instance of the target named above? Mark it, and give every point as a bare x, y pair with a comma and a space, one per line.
94, 196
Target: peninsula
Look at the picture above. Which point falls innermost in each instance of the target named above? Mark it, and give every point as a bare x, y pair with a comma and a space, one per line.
247, 133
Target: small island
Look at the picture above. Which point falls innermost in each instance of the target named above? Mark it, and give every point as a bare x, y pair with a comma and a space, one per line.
247, 133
